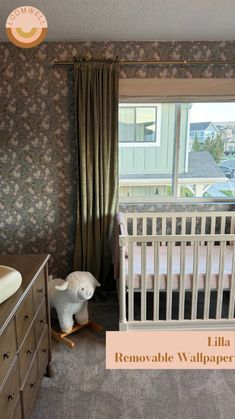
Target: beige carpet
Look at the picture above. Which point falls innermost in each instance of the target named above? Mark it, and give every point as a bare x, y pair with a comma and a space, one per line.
82, 389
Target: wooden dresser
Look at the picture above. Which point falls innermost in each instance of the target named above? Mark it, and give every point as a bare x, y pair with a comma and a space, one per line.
25, 343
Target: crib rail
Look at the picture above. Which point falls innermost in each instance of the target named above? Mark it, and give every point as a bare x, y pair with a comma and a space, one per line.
178, 238
180, 223
127, 317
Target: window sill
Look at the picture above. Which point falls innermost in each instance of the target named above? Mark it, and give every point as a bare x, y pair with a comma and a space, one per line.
136, 145
171, 199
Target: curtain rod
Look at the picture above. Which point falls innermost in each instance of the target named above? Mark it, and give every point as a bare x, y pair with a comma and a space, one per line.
182, 63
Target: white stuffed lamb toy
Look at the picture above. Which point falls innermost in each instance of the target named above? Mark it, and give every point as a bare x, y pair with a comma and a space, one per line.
70, 297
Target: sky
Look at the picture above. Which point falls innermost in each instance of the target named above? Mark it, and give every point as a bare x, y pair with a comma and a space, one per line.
215, 112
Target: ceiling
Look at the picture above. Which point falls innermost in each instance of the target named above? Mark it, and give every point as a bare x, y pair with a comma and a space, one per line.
131, 20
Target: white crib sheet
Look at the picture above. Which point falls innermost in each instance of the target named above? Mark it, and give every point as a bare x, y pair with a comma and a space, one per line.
176, 267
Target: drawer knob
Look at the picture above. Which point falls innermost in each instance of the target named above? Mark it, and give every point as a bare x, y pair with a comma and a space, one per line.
11, 397
41, 290
6, 355
44, 350
42, 321
27, 316
29, 351
32, 385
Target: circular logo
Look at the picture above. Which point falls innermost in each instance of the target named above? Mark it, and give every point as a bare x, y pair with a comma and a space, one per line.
26, 27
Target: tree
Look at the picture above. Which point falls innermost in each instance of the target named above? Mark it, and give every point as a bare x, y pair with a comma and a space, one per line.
215, 146
197, 146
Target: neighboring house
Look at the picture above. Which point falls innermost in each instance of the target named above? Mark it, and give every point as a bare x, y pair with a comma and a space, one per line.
203, 130
227, 131
146, 145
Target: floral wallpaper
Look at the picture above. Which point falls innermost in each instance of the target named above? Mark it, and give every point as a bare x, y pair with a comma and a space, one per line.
37, 133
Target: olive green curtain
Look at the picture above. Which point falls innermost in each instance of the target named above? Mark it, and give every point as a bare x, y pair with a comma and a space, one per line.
96, 109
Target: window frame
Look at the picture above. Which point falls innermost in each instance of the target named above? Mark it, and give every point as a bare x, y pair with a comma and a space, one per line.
157, 107
175, 172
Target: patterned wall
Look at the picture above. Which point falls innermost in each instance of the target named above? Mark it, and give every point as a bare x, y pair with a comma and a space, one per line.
37, 134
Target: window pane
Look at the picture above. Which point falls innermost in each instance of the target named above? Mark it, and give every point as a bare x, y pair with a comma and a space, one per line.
146, 124
206, 155
145, 167
209, 163
126, 124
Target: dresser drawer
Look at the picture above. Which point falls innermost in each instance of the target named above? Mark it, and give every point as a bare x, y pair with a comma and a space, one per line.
30, 390
39, 291
24, 316
17, 411
26, 354
43, 353
9, 393
40, 321
7, 348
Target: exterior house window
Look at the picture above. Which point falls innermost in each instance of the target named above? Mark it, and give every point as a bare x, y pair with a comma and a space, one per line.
175, 151
139, 124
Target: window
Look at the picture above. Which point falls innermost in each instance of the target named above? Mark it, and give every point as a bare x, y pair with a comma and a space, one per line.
139, 124
195, 156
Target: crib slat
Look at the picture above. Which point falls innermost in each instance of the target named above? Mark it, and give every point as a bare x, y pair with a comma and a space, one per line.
134, 226
156, 284
193, 224
173, 226
223, 219
154, 226
150, 225
144, 226
208, 281
169, 281
213, 219
183, 226
203, 227
221, 280
130, 282
143, 281
232, 225
163, 228
195, 280
232, 288
212, 225
163, 225
182, 280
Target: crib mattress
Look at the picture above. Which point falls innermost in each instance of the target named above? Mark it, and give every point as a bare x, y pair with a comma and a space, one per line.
176, 267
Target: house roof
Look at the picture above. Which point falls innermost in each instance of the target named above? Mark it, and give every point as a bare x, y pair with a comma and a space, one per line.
200, 126
201, 165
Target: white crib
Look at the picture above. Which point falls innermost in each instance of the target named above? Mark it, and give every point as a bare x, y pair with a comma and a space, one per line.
177, 255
